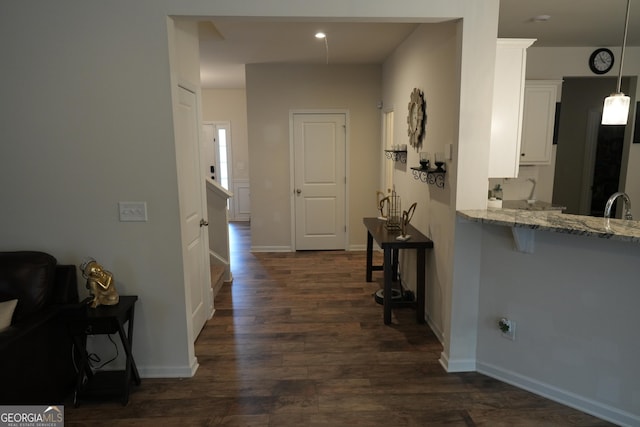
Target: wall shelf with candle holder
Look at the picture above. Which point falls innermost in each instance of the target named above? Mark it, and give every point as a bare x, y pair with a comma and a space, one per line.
430, 175
397, 153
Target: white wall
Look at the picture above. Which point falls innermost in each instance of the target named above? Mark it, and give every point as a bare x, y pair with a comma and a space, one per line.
84, 108
427, 60
574, 301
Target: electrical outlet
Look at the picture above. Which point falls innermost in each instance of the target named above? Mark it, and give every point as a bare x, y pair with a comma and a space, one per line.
508, 328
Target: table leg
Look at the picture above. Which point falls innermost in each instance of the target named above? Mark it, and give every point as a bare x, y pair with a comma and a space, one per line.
130, 364
84, 370
369, 256
395, 265
420, 285
388, 296
136, 375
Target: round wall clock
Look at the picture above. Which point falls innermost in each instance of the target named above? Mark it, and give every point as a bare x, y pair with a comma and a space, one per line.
416, 118
601, 61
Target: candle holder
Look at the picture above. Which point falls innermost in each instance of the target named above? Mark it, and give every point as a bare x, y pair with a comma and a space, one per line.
440, 162
424, 160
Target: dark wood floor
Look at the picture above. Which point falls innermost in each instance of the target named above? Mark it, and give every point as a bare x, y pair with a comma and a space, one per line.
297, 340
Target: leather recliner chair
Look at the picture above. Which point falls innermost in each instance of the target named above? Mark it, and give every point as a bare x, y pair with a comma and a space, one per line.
36, 362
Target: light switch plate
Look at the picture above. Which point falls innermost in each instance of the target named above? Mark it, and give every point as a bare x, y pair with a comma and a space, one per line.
132, 211
448, 149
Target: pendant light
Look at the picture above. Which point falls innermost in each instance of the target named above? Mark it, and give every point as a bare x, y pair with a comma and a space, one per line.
616, 106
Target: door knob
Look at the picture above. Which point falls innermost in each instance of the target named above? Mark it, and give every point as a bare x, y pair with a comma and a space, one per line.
298, 191
203, 223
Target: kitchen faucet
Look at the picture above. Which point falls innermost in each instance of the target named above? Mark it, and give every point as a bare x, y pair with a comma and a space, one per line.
626, 204
532, 195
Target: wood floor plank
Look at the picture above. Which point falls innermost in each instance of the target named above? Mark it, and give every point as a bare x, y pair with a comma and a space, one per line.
298, 340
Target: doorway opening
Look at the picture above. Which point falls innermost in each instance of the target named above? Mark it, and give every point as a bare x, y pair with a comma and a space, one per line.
591, 159
221, 144
217, 155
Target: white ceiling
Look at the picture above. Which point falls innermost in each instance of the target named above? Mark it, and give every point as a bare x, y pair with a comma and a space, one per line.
227, 44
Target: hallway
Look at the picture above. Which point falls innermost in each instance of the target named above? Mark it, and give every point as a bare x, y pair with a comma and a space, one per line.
297, 340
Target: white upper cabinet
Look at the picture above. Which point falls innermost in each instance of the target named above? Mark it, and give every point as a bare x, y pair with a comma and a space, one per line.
508, 95
539, 118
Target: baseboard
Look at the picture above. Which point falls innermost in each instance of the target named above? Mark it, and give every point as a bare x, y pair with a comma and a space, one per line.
435, 329
271, 249
357, 248
169, 371
589, 406
212, 299
457, 365
217, 286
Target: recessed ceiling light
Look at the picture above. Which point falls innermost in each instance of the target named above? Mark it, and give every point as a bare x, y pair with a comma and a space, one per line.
541, 18
320, 35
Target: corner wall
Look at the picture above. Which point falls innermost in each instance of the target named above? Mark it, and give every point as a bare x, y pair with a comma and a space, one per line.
427, 60
86, 122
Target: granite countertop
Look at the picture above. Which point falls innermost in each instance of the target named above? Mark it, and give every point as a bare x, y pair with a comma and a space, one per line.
554, 220
536, 205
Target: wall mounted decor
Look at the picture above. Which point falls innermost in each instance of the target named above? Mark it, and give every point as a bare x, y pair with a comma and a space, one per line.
601, 61
417, 117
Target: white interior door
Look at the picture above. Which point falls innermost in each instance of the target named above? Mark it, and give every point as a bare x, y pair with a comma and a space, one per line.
192, 210
319, 145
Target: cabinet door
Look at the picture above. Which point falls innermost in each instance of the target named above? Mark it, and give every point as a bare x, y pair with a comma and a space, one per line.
506, 120
538, 122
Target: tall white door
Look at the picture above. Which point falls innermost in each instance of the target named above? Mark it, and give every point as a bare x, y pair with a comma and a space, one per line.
319, 144
192, 210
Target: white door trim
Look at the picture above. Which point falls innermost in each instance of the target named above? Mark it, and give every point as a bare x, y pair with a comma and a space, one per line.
347, 197
206, 274
386, 178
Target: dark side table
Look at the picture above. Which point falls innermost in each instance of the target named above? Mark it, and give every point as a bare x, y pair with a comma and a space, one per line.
104, 320
390, 245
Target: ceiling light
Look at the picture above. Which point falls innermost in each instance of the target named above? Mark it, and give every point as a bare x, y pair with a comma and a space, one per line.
541, 18
322, 36
616, 106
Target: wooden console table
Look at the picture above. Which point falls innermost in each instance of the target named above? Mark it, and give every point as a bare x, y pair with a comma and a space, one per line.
377, 231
